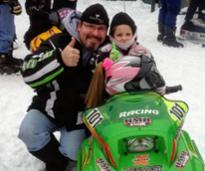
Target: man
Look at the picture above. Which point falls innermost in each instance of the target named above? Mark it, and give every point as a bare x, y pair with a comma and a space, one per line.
60, 72
8, 64
194, 4
169, 10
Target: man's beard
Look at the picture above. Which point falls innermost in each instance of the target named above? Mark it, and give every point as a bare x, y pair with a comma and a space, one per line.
93, 45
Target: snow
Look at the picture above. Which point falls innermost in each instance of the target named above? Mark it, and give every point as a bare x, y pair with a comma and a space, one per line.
179, 66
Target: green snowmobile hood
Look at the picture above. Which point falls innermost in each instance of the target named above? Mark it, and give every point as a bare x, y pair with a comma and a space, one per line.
135, 117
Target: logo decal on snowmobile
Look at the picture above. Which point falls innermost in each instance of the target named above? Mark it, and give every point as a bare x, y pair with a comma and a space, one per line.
141, 160
149, 168
182, 159
94, 117
139, 112
103, 165
177, 111
137, 121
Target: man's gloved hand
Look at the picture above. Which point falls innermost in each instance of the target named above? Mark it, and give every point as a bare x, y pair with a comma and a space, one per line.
15, 6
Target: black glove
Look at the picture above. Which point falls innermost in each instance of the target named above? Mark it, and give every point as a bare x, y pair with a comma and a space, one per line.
36, 7
15, 6
35, 10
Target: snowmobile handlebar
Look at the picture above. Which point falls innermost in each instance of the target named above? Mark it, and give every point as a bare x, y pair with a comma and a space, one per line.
173, 89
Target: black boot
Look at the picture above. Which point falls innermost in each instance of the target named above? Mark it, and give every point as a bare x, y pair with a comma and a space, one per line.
8, 64
188, 25
51, 156
161, 32
169, 37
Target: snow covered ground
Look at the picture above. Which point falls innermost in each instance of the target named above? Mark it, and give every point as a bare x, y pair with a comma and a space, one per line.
184, 66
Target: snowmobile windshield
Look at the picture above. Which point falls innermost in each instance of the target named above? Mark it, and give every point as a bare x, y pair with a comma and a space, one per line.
140, 144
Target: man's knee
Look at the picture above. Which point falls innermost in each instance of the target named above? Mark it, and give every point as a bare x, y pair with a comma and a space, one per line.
70, 144
27, 132
33, 139
34, 130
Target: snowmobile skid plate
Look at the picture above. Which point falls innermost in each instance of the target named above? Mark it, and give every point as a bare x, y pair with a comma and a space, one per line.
195, 37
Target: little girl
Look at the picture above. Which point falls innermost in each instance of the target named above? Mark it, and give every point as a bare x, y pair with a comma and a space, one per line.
123, 35
123, 39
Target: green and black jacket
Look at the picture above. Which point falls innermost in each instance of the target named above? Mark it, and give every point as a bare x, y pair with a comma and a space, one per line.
60, 89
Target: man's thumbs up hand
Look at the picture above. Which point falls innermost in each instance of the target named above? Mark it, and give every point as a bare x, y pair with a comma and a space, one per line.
70, 55
72, 42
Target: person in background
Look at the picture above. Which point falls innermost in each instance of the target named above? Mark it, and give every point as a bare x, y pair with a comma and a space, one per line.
60, 72
39, 11
8, 64
58, 4
193, 6
169, 9
114, 73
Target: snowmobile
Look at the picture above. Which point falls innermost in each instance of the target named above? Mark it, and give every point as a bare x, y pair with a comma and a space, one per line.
138, 131
193, 31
